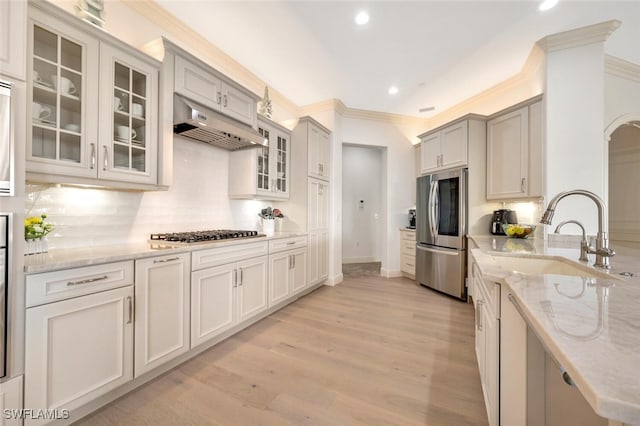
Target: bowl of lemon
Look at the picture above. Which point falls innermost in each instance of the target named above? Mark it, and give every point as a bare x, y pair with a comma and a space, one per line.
518, 230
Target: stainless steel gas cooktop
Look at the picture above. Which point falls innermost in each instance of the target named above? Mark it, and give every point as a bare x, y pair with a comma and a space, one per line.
183, 239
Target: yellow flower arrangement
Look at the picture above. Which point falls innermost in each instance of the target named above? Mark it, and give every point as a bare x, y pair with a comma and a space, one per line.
35, 227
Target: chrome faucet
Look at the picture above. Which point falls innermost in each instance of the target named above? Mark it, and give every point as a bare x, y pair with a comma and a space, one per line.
602, 250
584, 244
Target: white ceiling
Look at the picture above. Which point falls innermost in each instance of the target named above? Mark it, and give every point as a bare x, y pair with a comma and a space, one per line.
438, 53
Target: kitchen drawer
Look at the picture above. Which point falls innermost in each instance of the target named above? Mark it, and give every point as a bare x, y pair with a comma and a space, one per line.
282, 244
408, 248
59, 285
221, 255
408, 235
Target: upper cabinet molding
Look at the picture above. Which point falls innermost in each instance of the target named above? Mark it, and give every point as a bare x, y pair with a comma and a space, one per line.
621, 68
582, 36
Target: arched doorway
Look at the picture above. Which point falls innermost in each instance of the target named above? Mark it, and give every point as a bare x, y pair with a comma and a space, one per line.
623, 187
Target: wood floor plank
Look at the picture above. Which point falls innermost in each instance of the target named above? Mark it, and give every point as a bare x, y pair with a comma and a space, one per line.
368, 351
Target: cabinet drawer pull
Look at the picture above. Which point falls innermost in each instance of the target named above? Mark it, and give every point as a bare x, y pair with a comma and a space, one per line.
171, 259
523, 182
224, 100
240, 283
219, 98
130, 300
235, 278
290, 243
93, 156
87, 281
106, 158
479, 315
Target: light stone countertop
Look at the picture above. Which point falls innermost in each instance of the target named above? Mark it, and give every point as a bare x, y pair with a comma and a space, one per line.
56, 259
590, 325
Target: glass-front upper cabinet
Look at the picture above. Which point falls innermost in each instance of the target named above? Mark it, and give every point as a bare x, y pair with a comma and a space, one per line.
273, 160
93, 102
263, 160
282, 163
262, 172
61, 123
128, 123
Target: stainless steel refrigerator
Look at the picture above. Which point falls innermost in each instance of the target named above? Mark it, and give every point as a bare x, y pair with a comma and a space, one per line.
441, 227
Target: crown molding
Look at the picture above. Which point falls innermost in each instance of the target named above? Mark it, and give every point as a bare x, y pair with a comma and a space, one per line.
621, 68
206, 51
590, 34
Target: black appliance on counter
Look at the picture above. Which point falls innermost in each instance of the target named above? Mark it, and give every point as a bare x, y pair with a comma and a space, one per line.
412, 218
502, 216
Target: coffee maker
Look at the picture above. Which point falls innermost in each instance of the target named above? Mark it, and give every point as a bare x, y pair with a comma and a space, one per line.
412, 218
502, 216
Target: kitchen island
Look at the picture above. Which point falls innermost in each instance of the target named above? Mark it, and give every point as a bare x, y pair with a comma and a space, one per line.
588, 321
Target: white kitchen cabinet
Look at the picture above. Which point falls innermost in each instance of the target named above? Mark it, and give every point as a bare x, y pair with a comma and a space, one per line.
78, 349
514, 152
287, 268
162, 300
212, 302
487, 340
318, 231
408, 253
228, 286
251, 288
319, 165
93, 103
199, 82
11, 399
445, 147
271, 164
13, 38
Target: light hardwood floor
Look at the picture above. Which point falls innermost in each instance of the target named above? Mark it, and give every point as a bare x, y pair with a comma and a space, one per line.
370, 351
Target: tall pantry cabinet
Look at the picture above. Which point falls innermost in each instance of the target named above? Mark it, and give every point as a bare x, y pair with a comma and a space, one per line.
309, 197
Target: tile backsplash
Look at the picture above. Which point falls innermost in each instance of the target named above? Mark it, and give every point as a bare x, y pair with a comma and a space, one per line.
197, 199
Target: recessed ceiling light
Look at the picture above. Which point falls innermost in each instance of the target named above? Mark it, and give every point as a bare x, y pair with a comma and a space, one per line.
547, 4
393, 90
362, 18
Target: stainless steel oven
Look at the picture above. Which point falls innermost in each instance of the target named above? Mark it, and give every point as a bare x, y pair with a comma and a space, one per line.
6, 154
441, 226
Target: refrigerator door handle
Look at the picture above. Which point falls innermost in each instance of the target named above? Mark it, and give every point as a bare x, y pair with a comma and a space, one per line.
431, 214
436, 207
448, 252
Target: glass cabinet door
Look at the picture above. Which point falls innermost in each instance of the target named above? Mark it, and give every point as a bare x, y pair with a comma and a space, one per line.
129, 102
282, 164
263, 161
57, 101
63, 128
128, 134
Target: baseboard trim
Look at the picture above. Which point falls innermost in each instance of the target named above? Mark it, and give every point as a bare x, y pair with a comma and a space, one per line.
365, 259
335, 280
390, 273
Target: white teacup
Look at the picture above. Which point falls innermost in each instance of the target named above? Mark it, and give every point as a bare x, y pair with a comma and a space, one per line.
66, 86
117, 104
36, 77
137, 109
39, 111
124, 133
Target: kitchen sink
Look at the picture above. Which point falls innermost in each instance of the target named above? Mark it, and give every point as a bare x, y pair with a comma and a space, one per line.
555, 266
